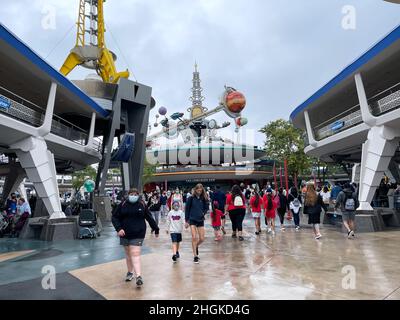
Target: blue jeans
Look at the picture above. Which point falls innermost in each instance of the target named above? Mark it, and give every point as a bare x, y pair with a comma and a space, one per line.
296, 217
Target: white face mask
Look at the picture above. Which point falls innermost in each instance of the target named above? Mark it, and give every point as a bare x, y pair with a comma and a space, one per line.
133, 199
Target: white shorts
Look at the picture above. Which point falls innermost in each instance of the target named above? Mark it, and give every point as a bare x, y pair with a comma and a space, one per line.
256, 214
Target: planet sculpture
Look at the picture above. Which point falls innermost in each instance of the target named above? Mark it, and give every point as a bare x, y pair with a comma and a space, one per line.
233, 102
89, 185
163, 111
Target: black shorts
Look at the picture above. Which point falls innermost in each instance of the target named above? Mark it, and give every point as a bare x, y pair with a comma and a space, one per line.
198, 224
176, 237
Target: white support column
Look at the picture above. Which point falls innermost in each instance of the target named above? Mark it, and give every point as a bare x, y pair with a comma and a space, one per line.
125, 168
45, 128
89, 144
40, 168
366, 114
310, 132
377, 153
22, 189
355, 174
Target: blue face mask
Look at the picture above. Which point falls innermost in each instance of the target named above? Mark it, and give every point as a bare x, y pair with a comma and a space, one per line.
133, 199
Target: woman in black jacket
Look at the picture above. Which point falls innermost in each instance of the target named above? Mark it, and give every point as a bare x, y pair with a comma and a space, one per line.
129, 221
196, 208
283, 207
313, 205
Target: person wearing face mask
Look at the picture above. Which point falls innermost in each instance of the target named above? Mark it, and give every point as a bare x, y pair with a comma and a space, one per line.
154, 205
175, 222
129, 222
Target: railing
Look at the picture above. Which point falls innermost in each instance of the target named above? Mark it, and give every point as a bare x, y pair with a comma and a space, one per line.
385, 101
379, 104
20, 108
30, 113
345, 120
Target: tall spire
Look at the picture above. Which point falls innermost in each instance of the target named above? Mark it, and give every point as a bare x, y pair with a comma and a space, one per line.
196, 98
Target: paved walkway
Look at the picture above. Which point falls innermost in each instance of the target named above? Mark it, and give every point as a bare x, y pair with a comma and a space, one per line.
291, 265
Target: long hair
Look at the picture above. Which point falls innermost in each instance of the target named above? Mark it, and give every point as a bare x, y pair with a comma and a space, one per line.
236, 191
214, 207
257, 201
270, 202
203, 192
311, 196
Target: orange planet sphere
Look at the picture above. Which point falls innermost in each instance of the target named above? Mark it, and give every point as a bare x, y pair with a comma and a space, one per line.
235, 102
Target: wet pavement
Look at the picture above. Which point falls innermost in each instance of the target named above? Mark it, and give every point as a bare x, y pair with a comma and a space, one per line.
290, 265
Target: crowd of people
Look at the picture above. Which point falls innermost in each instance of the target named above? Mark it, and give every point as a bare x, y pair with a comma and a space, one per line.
189, 210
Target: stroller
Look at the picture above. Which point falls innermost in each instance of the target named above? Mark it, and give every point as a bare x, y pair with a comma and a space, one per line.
88, 224
5, 224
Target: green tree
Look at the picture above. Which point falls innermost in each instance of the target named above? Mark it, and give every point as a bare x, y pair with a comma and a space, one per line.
285, 142
148, 171
79, 177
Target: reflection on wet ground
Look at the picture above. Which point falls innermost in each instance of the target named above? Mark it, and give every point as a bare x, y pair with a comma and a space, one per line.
291, 265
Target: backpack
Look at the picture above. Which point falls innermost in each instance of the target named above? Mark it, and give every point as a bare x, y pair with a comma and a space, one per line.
296, 203
238, 201
350, 203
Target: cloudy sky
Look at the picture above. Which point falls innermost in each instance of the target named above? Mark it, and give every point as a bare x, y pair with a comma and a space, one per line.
277, 52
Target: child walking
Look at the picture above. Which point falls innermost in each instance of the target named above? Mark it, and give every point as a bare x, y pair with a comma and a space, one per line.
257, 207
270, 205
216, 221
175, 222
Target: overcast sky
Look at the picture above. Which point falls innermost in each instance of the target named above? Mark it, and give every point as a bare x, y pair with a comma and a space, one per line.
277, 52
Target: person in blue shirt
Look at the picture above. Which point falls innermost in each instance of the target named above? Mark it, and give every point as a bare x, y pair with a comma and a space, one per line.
335, 192
11, 205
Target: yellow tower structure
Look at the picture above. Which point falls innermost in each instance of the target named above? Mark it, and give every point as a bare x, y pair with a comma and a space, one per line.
92, 55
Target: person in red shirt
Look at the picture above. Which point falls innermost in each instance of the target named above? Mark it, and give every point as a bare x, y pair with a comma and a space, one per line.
257, 206
270, 204
236, 207
216, 221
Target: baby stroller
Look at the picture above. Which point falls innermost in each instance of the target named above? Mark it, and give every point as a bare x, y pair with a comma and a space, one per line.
88, 224
5, 224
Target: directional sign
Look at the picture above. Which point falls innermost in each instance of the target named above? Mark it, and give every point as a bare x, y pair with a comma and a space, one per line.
4, 103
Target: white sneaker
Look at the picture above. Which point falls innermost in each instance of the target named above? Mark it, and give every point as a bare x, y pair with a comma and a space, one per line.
352, 234
269, 230
283, 228
297, 228
318, 237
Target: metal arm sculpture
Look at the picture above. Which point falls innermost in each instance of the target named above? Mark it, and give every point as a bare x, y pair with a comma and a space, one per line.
94, 55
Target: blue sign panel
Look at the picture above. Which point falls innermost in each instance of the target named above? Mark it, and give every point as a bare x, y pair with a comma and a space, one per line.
5, 103
337, 125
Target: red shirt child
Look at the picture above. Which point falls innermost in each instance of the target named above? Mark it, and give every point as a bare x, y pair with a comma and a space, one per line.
254, 208
216, 218
271, 213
